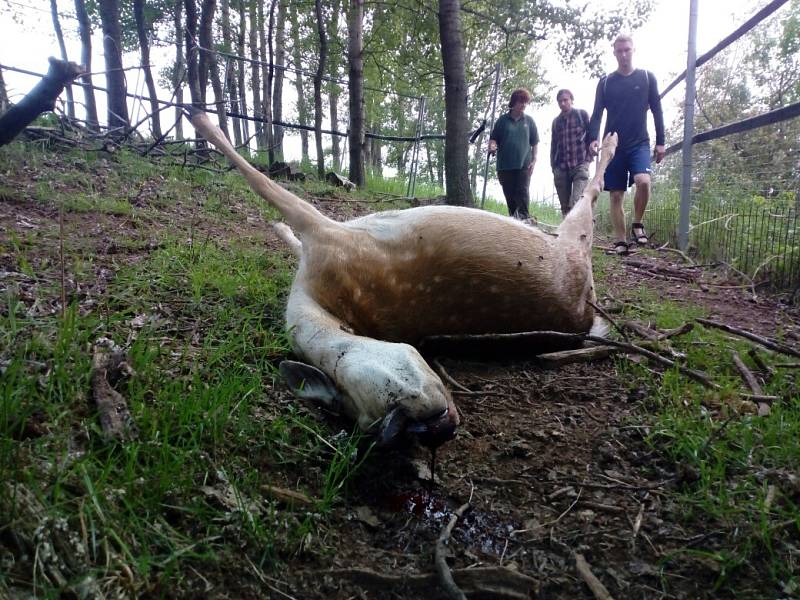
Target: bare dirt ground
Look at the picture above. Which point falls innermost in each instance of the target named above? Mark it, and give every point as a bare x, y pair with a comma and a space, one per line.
553, 463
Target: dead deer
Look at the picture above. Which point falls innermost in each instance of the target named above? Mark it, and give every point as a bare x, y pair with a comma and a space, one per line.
368, 289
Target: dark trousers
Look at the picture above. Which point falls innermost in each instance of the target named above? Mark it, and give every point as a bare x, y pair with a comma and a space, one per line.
515, 186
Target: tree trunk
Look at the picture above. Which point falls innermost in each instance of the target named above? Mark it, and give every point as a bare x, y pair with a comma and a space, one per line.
144, 48
63, 49
323, 55
230, 72
192, 69
355, 60
376, 161
209, 65
333, 87
430, 162
180, 66
242, 73
206, 41
302, 106
269, 73
256, 72
115, 76
3, 94
277, 93
456, 149
85, 32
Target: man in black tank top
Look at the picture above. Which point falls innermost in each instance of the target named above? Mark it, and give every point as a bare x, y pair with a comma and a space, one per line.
626, 95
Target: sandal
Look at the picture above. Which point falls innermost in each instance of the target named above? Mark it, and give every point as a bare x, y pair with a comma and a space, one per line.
621, 248
638, 234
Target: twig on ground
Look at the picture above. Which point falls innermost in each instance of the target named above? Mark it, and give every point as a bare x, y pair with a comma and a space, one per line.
670, 333
495, 582
287, 496
746, 374
767, 343
440, 558
769, 498
765, 368
680, 253
598, 589
637, 524
752, 383
446, 376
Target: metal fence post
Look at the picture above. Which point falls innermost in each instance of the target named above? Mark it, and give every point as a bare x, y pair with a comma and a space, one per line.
688, 129
491, 126
412, 175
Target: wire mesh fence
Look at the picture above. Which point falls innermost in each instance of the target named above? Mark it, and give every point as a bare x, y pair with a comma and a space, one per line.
745, 167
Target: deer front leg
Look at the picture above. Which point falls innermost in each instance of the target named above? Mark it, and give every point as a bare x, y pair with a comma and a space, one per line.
386, 387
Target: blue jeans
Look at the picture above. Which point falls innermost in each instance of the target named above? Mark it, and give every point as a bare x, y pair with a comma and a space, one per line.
626, 163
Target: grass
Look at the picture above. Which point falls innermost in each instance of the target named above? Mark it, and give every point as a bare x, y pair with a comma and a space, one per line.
728, 459
200, 315
203, 328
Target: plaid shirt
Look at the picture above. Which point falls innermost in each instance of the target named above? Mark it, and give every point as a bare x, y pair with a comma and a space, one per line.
568, 147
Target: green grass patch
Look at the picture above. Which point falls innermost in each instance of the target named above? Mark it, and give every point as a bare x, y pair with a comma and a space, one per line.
204, 328
728, 459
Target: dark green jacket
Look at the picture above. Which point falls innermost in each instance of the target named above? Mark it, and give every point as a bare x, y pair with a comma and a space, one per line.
514, 140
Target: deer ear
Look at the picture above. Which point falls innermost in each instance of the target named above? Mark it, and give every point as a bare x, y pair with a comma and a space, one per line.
392, 425
309, 383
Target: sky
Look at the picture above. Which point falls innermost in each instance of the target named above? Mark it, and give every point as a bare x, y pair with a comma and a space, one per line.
660, 47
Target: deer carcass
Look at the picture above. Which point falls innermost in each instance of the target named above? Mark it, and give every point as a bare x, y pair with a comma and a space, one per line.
368, 289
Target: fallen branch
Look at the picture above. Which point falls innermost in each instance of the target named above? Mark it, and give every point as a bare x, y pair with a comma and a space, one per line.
566, 357
440, 558
641, 330
657, 269
290, 497
746, 374
767, 343
446, 376
680, 253
494, 582
595, 585
753, 354
670, 333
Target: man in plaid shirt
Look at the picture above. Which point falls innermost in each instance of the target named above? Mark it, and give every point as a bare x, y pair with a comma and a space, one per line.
569, 154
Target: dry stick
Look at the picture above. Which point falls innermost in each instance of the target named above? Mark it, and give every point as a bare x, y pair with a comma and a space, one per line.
752, 353
445, 576
746, 373
446, 376
767, 343
637, 524
669, 333
788, 365
598, 589
641, 330
680, 253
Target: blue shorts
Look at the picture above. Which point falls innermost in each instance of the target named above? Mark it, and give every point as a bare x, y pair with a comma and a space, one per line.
625, 164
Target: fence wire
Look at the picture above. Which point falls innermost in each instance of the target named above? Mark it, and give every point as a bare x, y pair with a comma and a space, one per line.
745, 187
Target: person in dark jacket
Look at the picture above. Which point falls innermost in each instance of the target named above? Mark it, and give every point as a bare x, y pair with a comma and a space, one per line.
626, 95
515, 138
569, 151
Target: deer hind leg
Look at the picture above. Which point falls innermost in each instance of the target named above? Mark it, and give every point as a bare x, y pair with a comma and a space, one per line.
578, 226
